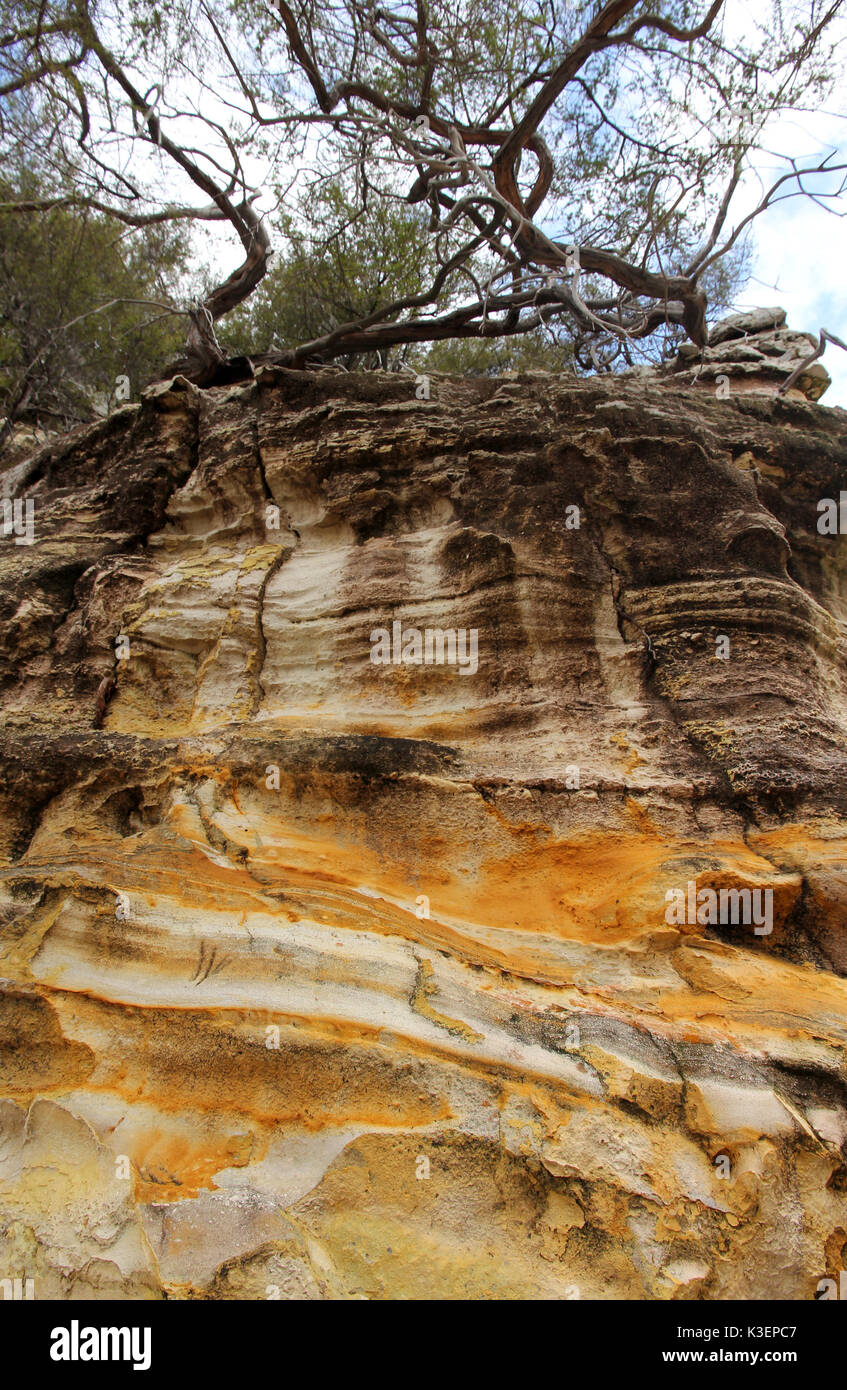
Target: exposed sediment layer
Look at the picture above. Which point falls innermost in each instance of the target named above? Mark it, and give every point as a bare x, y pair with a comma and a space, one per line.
325, 978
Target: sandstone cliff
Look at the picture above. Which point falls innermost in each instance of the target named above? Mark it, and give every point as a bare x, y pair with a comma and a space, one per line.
328, 978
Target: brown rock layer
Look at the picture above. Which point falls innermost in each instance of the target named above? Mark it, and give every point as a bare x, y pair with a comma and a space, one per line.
332, 979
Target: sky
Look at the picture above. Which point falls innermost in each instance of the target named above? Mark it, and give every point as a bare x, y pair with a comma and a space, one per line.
800, 250
798, 247
802, 253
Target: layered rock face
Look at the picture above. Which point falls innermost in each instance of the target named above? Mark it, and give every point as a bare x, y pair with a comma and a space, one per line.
753, 351
333, 971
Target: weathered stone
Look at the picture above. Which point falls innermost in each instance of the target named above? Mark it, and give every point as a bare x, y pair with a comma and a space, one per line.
752, 352
331, 979
750, 321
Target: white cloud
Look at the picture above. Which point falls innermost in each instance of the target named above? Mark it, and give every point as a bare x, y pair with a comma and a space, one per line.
800, 252
799, 246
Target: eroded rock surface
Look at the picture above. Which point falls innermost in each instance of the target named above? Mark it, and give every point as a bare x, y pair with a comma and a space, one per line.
331, 979
753, 351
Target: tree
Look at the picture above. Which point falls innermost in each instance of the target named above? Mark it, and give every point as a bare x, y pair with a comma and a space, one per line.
84, 312
577, 163
341, 262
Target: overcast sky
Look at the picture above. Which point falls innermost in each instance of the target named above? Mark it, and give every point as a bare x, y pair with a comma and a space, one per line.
800, 248
802, 252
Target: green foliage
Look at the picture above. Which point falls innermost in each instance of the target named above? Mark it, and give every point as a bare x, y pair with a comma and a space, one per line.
529, 352
650, 134
340, 263
63, 341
